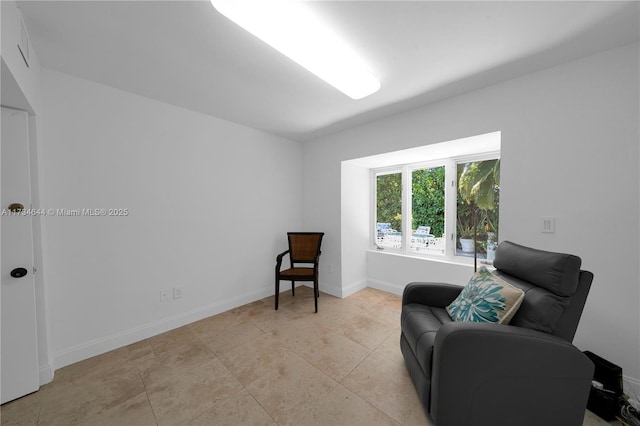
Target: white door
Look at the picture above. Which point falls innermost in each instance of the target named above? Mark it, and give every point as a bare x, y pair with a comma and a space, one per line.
19, 351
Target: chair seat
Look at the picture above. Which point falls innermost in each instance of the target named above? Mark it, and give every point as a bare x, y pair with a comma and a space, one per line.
297, 274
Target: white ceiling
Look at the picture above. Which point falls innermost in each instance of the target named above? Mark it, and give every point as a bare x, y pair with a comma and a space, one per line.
185, 53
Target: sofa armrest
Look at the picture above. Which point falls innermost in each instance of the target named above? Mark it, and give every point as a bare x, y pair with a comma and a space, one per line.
438, 295
483, 372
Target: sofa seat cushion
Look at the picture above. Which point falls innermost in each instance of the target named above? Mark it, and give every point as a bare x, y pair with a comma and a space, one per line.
420, 323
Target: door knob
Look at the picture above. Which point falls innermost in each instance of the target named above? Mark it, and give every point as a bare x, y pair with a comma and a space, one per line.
18, 273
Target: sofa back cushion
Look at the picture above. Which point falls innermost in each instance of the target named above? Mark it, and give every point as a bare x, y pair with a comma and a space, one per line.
548, 280
556, 272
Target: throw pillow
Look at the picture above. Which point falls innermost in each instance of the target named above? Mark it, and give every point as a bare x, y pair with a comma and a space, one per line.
486, 298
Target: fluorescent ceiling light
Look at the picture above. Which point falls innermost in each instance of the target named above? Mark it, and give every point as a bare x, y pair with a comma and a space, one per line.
289, 27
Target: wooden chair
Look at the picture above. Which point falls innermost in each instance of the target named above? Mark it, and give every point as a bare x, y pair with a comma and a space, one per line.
304, 249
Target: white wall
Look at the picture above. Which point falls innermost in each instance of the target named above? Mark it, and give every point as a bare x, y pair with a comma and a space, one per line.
569, 150
355, 212
391, 272
209, 204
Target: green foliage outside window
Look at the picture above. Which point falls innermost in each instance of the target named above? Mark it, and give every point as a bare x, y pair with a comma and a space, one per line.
428, 199
479, 194
389, 200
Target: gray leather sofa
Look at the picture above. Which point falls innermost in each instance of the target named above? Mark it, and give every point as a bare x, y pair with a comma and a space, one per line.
524, 373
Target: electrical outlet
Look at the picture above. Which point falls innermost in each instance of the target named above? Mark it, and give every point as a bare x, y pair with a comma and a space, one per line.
177, 293
164, 294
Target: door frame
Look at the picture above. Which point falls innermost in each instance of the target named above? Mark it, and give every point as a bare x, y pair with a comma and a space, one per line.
13, 97
20, 363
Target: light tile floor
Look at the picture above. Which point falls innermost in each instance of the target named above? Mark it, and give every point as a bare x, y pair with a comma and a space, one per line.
248, 366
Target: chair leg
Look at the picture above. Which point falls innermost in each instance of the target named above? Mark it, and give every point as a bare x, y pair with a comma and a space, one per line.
293, 288
277, 291
316, 292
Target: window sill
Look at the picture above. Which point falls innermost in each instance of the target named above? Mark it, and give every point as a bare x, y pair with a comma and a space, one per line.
458, 260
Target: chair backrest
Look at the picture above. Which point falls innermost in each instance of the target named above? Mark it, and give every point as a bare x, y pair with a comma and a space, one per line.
304, 247
555, 287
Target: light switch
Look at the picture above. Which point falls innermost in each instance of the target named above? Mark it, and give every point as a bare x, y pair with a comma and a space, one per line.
548, 224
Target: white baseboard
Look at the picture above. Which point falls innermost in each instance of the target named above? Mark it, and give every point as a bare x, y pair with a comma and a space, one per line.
45, 374
105, 344
385, 286
324, 288
341, 292
349, 289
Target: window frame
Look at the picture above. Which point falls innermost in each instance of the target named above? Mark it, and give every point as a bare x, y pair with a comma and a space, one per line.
451, 189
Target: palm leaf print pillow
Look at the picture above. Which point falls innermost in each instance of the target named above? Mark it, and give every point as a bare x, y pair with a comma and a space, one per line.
486, 298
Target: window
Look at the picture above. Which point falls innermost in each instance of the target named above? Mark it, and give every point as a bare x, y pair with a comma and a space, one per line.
477, 207
427, 209
437, 207
389, 209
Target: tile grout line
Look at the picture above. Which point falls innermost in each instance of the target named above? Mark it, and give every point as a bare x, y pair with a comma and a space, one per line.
144, 385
